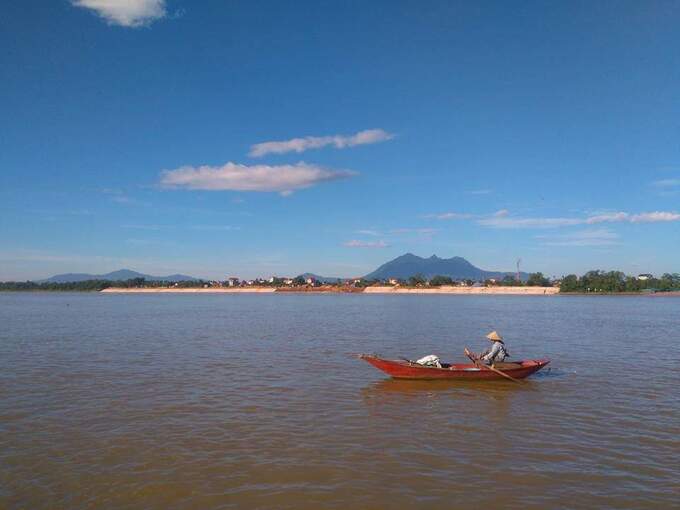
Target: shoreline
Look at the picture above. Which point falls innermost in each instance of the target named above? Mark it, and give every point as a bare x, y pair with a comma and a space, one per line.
498, 291
461, 291
508, 291
210, 290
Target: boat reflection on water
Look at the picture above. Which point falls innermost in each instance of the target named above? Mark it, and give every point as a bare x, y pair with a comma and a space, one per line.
492, 399
419, 387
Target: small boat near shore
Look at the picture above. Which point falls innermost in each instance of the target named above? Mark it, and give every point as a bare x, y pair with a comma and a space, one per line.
406, 369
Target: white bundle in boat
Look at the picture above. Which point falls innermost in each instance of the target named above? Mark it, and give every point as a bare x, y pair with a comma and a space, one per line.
430, 361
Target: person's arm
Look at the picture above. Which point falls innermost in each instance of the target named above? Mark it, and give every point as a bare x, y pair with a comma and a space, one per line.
491, 355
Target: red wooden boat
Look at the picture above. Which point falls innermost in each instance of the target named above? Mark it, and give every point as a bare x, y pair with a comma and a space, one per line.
404, 369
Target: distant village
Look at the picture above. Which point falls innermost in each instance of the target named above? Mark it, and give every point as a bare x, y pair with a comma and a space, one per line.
536, 279
590, 282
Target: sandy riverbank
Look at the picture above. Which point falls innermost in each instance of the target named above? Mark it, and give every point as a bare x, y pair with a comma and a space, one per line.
516, 291
173, 290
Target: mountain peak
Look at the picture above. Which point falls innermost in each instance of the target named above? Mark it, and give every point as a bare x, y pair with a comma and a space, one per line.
407, 265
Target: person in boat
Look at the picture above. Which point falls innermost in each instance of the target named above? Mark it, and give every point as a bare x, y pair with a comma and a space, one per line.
497, 353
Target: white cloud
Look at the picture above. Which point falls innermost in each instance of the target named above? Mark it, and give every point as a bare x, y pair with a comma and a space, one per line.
501, 213
355, 243
648, 217
283, 179
480, 191
298, 145
423, 231
126, 13
511, 222
654, 217
501, 219
596, 237
448, 216
368, 232
608, 217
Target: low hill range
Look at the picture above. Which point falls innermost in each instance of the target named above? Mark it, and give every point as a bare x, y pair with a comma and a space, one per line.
116, 276
401, 268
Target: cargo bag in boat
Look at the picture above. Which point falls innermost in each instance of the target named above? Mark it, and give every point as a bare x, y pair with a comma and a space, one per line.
430, 361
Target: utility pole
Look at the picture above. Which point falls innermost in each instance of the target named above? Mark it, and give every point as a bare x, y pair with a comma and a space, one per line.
518, 262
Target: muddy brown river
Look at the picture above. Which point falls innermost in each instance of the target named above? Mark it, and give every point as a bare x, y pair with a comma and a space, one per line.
255, 402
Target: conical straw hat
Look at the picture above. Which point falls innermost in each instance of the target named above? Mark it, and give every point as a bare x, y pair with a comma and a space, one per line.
494, 337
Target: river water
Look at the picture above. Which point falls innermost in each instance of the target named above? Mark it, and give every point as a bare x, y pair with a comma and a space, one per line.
254, 401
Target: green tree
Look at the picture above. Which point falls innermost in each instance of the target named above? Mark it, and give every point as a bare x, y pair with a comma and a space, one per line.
510, 281
537, 280
439, 280
570, 283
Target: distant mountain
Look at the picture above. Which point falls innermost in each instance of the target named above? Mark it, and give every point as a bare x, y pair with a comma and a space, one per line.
322, 279
456, 267
120, 275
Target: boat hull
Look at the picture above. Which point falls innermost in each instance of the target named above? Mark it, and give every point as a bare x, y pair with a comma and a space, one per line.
459, 371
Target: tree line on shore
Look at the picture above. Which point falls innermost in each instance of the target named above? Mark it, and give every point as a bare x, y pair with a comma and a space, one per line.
591, 282
616, 281
96, 285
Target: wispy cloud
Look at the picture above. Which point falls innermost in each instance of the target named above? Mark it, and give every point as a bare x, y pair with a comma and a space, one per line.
608, 217
298, 145
144, 227
666, 187
654, 217
667, 183
595, 237
125, 13
150, 242
504, 220
448, 216
283, 179
421, 231
355, 243
120, 197
480, 192
515, 222
180, 227
648, 217
400, 234
214, 227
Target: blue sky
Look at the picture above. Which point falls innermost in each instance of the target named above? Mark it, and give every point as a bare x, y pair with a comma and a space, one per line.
254, 138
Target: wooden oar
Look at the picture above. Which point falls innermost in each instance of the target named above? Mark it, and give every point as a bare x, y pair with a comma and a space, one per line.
480, 365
